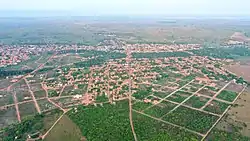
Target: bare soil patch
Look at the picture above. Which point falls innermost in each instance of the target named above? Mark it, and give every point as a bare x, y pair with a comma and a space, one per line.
240, 70
238, 36
238, 117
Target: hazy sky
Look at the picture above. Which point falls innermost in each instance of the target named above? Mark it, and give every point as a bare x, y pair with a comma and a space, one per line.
131, 7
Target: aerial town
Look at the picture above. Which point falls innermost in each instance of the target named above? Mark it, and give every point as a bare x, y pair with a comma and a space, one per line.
167, 83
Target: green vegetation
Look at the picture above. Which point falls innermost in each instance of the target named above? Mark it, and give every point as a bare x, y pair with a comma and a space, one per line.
160, 110
45, 69
191, 119
161, 94
141, 94
179, 96
216, 107
219, 135
53, 93
160, 55
29, 125
141, 105
111, 122
82, 86
223, 52
212, 88
227, 95
197, 101
148, 129
5, 73
39, 31
100, 58
101, 98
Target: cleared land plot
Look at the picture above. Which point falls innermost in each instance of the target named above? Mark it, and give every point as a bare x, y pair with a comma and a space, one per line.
179, 96
66, 130
7, 116
240, 70
64, 60
160, 109
234, 87
66, 102
162, 94
23, 94
27, 109
216, 107
219, 135
68, 90
191, 119
50, 118
5, 98
190, 88
45, 105
196, 101
227, 95
34, 80
4, 83
237, 120
114, 125
39, 94
36, 87
220, 84
209, 91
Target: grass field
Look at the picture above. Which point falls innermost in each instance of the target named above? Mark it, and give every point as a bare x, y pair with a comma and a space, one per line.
219, 135
27, 109
216, 107
227, 95
8, 116
197, 101
65, 130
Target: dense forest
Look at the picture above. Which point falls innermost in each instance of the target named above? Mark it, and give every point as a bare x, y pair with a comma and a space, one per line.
223, 52
5, 73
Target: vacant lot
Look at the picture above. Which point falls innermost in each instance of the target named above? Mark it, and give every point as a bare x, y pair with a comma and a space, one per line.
236, 124
64, 130
8, 116
240, 70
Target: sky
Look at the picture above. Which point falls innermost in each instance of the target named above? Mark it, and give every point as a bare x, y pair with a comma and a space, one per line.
124, 7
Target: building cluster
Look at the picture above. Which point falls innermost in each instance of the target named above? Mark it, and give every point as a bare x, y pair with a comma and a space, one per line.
162, 47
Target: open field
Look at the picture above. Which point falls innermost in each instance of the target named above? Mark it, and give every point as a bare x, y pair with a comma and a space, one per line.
8, 116
32, 125
65, 130
240, 70
235, 125
237, 118
27, 109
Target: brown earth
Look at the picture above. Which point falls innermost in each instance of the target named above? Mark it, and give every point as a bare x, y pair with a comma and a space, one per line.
238, 117
240, 70
238, 36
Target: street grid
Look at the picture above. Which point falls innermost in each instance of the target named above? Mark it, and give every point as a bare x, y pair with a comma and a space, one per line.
111, 99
